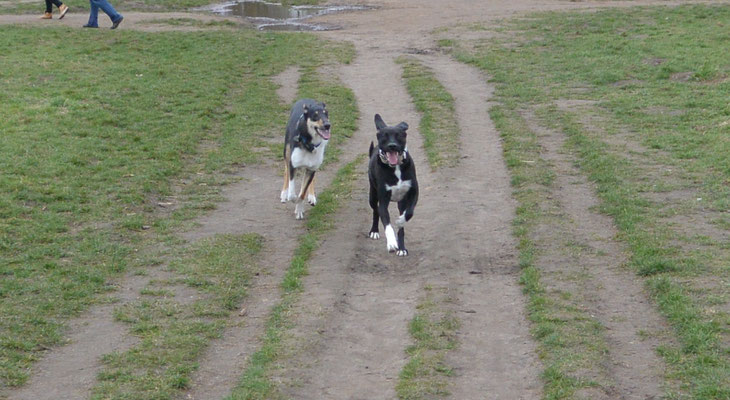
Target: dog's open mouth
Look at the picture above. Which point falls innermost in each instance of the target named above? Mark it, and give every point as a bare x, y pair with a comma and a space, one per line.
393, 157
324, 133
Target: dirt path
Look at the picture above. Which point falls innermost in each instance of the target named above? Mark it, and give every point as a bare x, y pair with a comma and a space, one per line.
616, 298
69, 372
359, 299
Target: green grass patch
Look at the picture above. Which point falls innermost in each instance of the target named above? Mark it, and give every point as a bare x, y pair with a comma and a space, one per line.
255, 382
95, 134
433, 330
173, 333
657, 80
438, 125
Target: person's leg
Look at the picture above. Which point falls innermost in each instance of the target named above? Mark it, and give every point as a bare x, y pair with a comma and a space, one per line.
49, 9
108, 9
61, 7
93, 15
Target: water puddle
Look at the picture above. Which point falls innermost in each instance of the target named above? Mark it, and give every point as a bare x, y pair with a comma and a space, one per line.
277, 17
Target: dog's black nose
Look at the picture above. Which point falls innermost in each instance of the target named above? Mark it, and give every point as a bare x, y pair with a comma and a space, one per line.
327, 125
392, 147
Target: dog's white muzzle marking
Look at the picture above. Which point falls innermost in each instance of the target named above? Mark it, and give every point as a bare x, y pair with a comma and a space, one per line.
390, 237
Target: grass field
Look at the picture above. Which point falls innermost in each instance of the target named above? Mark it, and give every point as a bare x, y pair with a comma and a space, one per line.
96, 134
652, 131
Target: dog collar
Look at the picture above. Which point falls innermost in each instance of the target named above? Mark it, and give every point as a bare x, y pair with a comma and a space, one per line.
308, 145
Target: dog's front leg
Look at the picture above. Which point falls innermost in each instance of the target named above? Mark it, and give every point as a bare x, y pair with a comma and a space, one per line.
385, 219
311, 197
406, 212
306, 181
284, 197
406, 208
291, 193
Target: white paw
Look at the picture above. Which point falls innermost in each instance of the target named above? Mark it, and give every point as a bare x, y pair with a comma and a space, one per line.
390, 237
291, 194
312, 199
402, 253
374, 235
299, 211
284, 196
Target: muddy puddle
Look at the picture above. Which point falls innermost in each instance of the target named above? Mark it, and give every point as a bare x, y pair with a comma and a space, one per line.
278, 17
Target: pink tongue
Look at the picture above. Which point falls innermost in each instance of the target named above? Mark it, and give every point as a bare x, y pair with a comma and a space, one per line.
392, 157
325, 133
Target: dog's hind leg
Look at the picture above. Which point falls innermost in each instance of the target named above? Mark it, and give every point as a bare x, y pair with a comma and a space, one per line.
374, 232
311, 198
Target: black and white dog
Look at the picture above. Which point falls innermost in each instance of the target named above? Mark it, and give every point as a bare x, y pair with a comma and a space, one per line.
307, 134
392, 176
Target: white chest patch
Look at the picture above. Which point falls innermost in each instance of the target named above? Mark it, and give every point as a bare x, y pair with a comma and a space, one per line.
399, 190
304, 159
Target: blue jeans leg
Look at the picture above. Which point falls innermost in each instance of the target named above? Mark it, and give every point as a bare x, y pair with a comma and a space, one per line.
93, 14
104, 6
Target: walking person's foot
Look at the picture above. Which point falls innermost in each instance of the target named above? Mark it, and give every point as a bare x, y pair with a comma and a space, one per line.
63, 9
117, 22
47, 16
89, 26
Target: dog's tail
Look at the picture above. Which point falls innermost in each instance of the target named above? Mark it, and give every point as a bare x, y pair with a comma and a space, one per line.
372, 147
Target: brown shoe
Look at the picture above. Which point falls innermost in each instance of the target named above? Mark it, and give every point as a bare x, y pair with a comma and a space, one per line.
47, 16
63, 9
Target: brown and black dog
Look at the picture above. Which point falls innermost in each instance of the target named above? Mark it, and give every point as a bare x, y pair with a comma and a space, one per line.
307, 135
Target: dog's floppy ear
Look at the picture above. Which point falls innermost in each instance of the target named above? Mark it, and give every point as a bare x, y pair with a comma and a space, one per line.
379, 123
402, 126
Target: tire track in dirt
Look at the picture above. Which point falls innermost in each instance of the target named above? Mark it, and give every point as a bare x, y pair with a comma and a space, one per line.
498, 330
359, 299
69, 372
251, 205
614, 296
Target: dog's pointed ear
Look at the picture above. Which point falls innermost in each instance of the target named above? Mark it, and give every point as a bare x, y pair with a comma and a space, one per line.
402, 126
379, 123
324, 105
306, 110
